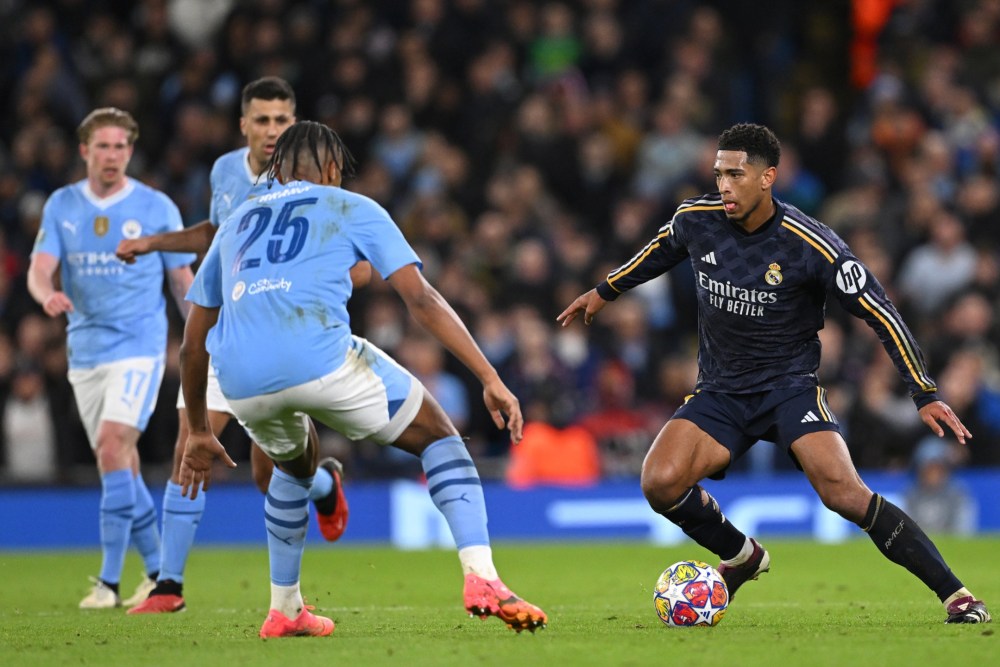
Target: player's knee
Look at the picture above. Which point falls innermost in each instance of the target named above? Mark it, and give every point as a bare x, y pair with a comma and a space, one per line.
662, 484
847, 499
112, 455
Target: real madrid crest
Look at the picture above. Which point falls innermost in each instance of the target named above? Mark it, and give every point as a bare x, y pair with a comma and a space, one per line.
101, 224
773, 275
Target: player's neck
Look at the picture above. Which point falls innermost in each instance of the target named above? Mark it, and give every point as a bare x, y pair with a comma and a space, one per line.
760, 217
256, 168
104, 190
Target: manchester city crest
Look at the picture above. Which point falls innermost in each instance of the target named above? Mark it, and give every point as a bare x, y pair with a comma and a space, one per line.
773, 275
131, 229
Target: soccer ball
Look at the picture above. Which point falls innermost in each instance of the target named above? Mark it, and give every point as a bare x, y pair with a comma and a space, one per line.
691, 592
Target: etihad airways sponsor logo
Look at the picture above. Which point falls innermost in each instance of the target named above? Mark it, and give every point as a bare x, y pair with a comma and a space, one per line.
95, 263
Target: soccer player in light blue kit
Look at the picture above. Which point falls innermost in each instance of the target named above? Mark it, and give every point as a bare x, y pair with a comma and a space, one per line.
273, 289
268, 109
117, 331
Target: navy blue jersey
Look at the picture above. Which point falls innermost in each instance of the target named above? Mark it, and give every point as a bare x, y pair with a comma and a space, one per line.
762, 297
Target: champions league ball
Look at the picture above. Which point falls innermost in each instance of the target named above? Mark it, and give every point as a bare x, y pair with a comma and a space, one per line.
691, 592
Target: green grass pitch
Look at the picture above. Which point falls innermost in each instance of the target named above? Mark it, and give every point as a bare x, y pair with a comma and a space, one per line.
820, 605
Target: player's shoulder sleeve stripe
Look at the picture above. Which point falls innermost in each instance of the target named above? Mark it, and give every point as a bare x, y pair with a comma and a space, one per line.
813, 235
903, 343
704, 203
637, 259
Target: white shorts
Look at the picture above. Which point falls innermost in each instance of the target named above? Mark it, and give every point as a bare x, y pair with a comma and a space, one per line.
370, 396
214, 400
122, 391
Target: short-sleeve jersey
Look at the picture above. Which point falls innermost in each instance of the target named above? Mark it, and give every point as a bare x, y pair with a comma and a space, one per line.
279, 270
119, 310
762, 297
231, 181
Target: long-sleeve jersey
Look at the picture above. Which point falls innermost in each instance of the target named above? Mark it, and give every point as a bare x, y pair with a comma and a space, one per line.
762, 297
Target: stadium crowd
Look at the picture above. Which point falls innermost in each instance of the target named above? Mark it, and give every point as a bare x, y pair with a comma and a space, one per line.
526, 148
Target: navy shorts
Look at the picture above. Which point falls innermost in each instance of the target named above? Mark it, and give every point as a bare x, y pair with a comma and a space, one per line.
781, 416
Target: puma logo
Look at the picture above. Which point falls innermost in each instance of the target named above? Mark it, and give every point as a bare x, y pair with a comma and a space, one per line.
462, 497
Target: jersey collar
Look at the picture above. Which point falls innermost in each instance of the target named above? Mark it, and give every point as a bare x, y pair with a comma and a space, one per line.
251, 177
764, 230
107, 202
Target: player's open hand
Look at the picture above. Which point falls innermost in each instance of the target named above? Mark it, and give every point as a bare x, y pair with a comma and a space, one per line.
129, 249
501, 401
200, 452
589, 304
937, 413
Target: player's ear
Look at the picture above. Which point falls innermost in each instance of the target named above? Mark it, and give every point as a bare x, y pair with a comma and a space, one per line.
768, 177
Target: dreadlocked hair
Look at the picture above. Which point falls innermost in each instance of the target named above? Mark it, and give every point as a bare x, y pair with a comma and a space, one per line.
308, 140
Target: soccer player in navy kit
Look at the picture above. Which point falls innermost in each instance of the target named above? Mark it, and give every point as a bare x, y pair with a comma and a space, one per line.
763, 272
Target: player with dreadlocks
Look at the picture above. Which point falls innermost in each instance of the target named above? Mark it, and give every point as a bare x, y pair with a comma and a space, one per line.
273, 288
268, 109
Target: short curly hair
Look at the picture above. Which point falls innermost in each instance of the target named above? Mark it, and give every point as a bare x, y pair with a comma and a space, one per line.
757, 141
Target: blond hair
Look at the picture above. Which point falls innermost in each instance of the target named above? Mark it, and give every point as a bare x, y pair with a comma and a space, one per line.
108, 117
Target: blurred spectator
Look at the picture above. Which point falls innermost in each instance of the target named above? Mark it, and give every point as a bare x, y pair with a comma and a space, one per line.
557, 46
619, 422
397, 144
667, 153
882, 422
29, 436
970, 385
535, 373
798, 186
820, 137
936, 270
936, 501
553, 455
425, 358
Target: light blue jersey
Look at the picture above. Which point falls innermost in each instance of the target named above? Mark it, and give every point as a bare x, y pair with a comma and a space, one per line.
279, 268
119, 310
231, 181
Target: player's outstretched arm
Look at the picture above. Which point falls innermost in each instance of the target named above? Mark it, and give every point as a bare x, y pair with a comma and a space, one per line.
202, 448
42, 288
193, 239
433, 313
589, 304
937, 413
